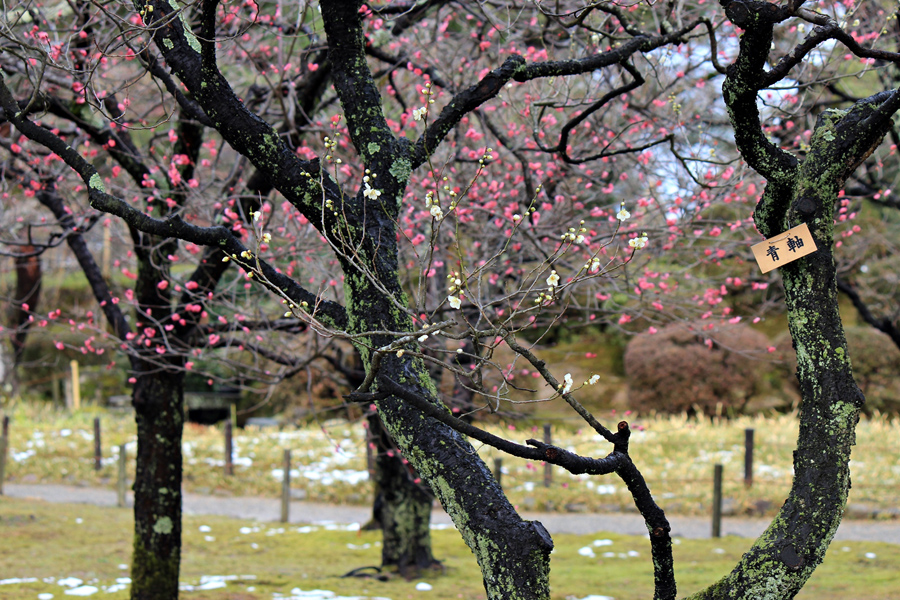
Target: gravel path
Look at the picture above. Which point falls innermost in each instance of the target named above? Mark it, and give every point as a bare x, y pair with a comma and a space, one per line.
267, 509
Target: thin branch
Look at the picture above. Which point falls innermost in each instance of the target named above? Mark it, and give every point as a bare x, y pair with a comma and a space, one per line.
884, 325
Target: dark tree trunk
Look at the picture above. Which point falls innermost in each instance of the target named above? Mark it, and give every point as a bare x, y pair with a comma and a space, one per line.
402, 502
798, 192
513, 553
159, 412
27, 296
402, 507
158, 398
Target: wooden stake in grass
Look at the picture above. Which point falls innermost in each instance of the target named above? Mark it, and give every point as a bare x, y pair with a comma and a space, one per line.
286, 488
229, 449
717, 502
4, 446
748, 457
122, 483
98, 448
76, 386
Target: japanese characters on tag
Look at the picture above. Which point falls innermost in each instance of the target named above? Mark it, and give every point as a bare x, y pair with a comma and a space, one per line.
784, 248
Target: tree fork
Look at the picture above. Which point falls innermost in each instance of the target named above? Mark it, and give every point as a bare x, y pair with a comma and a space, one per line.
785, 556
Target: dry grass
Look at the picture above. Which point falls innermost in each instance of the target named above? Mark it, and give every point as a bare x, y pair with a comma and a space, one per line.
676, 455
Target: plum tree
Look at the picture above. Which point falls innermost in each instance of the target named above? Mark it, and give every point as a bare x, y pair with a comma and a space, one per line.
469, 195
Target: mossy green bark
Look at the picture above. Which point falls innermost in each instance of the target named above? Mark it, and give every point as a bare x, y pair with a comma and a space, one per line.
159, 409
513, 554
785, 556
158, 399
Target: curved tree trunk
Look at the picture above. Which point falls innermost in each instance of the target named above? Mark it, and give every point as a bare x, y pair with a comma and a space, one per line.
785, 556
513, 554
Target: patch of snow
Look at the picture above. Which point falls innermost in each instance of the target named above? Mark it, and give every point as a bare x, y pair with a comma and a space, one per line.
84, 590
19, 580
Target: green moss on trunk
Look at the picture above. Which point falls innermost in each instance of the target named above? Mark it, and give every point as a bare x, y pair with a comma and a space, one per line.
159, 410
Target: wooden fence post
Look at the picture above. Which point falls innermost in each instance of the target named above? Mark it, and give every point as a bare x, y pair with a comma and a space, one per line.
717, 502
122, 483
498, 471
229, 449
370, 455
4, 448
98, 448
748, 457
286, 488
76, 386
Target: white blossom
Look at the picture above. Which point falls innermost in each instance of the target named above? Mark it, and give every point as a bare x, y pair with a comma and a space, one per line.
371, 192
567, 379
553, 280
419, 113
594, 379
623, 215
436, 212
638, 242
454, 302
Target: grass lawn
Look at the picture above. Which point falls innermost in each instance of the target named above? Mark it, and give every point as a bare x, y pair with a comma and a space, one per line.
48, 547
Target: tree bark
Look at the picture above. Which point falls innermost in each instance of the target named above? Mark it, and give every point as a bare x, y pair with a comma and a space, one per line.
28, 294
159, 412
785, 556
158, 400
401, 503
403, 506
513, 554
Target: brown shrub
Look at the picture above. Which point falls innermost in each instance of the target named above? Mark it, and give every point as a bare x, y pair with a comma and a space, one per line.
685, 367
